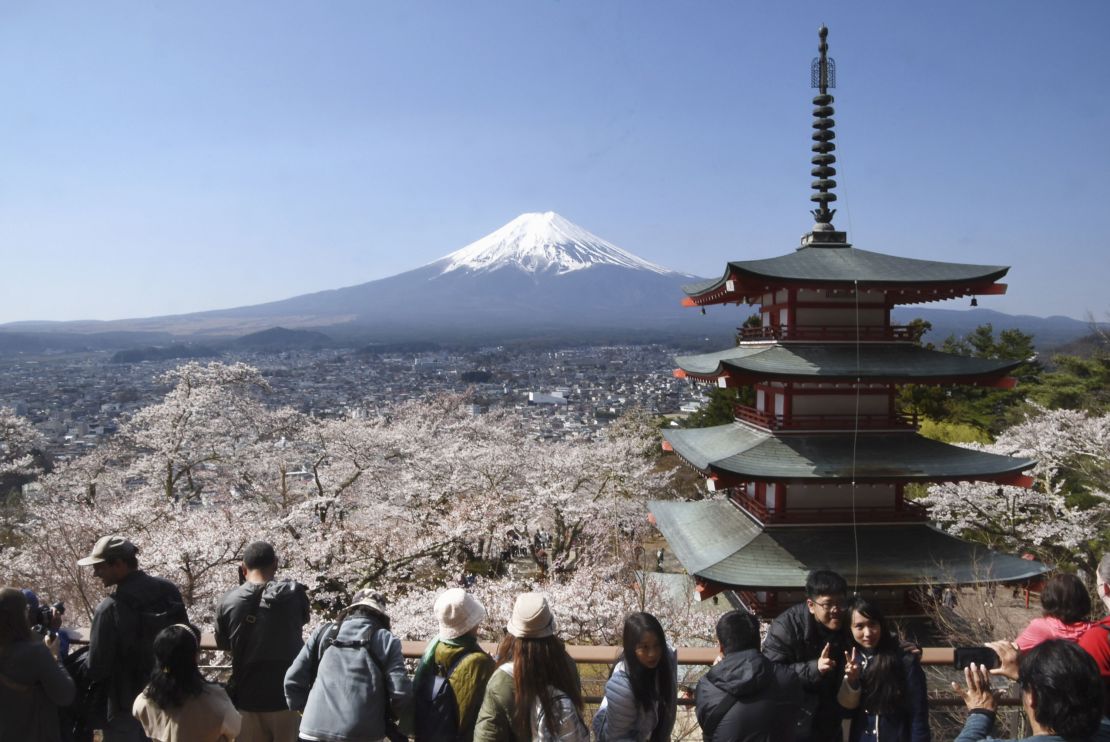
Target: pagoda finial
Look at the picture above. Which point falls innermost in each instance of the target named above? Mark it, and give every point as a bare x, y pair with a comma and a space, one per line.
823, 77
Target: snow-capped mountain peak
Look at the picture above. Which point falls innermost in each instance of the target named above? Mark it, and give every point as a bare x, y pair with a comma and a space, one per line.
542, 242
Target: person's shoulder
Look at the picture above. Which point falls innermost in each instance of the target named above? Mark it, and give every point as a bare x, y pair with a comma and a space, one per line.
478, 659
166, 585
140, 705
215, 695
105, 605
233, 597
795, 612
619, 683
793, 619
144, 582
1096, 642
1099, 630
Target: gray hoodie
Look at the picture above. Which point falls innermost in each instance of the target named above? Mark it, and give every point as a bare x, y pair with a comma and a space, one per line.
347, 699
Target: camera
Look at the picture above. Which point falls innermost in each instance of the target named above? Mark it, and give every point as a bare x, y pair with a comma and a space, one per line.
43, 618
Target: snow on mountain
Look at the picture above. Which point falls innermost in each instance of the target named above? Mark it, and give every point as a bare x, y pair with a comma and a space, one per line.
542, 243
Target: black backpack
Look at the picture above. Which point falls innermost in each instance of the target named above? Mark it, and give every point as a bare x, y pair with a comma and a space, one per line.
137, 649
435, 708
86, 712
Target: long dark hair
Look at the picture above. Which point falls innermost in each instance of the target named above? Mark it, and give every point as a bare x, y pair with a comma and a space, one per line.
176, 676
649, 685
537, 664
1065, 597
884, 680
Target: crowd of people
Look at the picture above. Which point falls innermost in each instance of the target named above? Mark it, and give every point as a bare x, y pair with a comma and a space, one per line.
829, 666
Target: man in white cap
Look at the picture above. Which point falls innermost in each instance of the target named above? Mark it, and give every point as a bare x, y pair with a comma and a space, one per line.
121, 643
451, 678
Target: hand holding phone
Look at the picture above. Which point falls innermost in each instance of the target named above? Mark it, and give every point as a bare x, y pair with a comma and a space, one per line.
982, 656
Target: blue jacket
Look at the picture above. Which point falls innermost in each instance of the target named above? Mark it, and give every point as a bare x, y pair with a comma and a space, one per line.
978, 727
346, 701
628, 721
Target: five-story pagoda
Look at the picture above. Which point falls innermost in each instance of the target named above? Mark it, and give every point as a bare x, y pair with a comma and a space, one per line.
815, 471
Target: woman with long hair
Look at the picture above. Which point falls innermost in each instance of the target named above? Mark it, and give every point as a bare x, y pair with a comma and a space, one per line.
640, 695
32, 683
1067, 610
883, 684
535, 692
178, 704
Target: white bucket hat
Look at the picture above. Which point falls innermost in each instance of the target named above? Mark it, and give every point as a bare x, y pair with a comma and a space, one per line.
532, 617
458, 613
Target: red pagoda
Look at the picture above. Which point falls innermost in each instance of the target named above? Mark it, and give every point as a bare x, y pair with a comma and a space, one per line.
815, 471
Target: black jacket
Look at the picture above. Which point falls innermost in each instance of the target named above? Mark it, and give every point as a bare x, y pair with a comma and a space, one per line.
113, 649
745, 697
271, 645
795, 639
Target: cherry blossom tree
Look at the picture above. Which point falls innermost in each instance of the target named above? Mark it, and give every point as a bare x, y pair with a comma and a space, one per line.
18, 439
406, 502
1064, 516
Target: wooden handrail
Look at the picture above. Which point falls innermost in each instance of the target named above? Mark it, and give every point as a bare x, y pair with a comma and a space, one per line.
606, 655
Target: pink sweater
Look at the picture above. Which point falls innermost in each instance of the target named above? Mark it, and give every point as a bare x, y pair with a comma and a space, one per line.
1049, 627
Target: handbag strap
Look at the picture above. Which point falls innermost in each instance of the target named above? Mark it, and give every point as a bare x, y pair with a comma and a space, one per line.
249, 620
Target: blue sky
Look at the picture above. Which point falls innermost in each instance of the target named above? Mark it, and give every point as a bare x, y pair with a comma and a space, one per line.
158, 158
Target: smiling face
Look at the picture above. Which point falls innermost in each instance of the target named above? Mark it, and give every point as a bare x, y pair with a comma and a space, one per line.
649, 649
866, 631
827, 610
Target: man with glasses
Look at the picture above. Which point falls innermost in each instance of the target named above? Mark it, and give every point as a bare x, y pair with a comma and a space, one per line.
811, 639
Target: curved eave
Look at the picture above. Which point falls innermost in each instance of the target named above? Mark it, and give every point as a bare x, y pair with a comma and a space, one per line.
904, 280
736, 453
715, 541
895, 363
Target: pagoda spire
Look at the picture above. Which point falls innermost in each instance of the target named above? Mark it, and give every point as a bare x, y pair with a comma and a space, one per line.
823, 77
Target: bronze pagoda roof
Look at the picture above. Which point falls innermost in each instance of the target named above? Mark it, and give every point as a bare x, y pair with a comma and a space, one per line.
902, 362
844, 265
741, 453
715, 540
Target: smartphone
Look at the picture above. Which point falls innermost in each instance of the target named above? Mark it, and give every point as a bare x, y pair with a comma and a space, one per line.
984, 656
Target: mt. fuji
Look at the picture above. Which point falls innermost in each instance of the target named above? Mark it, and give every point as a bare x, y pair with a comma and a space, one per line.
540, 275
542, 243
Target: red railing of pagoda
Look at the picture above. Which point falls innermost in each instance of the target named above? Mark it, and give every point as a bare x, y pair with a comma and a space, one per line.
910, 511
818, 332
825, 422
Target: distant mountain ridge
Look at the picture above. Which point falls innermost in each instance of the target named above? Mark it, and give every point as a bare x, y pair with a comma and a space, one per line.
538, 276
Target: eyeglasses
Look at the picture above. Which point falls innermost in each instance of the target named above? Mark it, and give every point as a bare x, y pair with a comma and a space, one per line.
829, 605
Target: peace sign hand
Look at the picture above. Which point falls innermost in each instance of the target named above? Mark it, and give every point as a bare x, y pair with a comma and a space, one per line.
851, 668
825, 662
